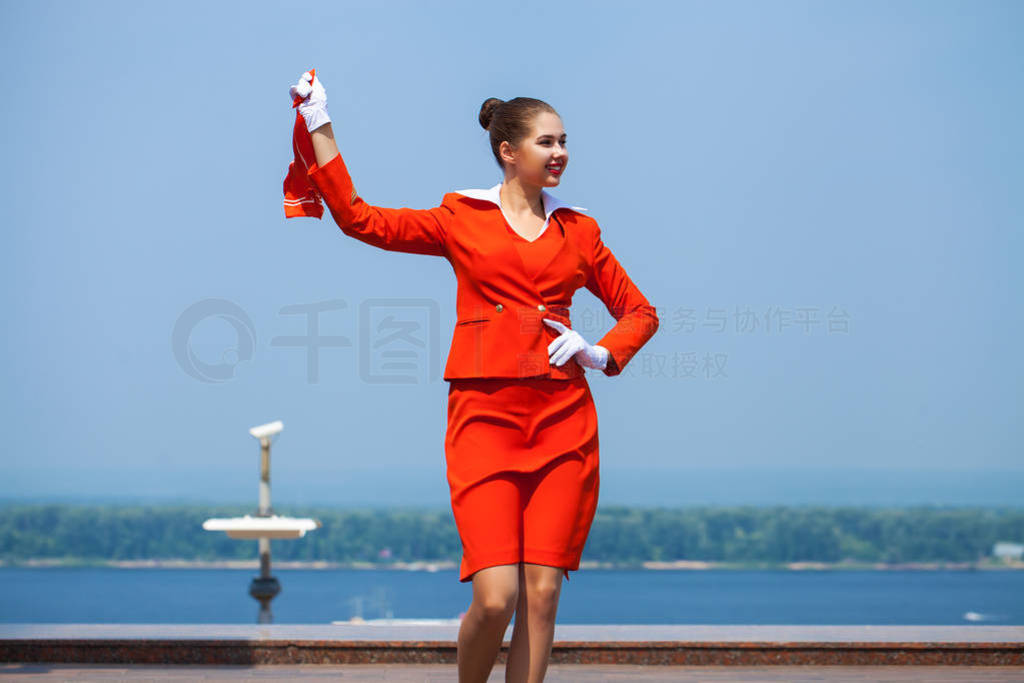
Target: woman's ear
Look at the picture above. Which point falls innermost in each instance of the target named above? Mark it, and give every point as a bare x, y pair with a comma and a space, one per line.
506, 152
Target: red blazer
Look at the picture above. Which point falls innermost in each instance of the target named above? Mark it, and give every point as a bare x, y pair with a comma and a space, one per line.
499, 307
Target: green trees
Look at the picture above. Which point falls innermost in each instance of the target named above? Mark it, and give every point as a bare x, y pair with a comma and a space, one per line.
742, 534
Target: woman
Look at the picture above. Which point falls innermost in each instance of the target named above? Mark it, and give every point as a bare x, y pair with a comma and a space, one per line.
521, 443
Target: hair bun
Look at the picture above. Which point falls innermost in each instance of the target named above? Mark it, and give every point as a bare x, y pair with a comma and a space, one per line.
487, 111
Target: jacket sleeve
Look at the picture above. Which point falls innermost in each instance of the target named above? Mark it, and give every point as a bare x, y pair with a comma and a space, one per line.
637, 320
416, 231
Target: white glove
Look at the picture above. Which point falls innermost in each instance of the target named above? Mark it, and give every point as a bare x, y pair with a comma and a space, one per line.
570, 344
314, 105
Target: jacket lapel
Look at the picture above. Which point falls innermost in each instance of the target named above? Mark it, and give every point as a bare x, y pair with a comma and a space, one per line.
551, 204
556, 224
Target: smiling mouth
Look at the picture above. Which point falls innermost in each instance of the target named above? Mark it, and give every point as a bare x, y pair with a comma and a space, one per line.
555, 168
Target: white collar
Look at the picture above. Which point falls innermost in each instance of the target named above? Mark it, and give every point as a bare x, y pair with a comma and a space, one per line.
493, 195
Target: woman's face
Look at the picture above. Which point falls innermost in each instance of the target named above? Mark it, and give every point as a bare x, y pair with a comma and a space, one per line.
542, 155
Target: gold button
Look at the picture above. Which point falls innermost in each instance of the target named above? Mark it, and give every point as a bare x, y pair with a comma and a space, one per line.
498, 308
540, 307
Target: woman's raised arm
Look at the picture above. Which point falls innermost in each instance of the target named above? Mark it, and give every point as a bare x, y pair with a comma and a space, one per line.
417, 231
323, 144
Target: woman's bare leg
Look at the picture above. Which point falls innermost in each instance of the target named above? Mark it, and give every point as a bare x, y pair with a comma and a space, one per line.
539, 589
495, 592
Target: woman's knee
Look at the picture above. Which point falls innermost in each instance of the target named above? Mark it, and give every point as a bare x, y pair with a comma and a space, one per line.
543, 588
496, 591
497, 605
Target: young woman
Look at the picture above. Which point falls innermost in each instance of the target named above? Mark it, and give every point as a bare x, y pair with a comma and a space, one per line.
521, 444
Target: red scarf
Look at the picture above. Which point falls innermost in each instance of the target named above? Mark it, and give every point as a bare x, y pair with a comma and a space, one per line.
300, 197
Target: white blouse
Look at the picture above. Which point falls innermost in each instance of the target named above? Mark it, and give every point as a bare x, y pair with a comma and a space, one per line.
550, 201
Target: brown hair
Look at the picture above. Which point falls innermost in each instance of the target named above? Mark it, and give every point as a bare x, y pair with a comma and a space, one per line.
511, 121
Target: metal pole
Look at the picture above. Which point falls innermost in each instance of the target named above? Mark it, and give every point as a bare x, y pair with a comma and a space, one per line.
265, 509
265, 587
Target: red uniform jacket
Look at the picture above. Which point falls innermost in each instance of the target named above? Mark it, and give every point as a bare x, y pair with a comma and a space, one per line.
499, 307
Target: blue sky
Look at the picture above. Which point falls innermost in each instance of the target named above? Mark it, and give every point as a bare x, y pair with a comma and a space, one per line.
856, 166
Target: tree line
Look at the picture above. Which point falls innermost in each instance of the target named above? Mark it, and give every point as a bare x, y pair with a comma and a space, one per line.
741, 534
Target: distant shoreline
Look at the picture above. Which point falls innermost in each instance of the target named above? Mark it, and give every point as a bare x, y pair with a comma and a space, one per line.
447, 565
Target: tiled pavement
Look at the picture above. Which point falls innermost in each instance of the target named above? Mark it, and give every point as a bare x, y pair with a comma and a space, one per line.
557, 673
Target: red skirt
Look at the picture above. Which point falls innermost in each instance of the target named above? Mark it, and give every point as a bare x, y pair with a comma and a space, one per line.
522, 460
